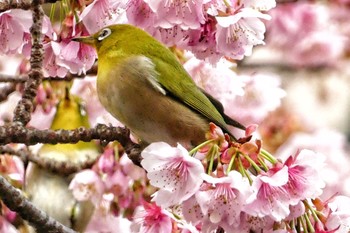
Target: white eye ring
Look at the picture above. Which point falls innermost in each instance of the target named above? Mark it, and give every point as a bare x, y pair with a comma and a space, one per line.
103, 34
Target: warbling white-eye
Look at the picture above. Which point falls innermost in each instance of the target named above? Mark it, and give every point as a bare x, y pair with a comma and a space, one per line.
49, 191
143, 85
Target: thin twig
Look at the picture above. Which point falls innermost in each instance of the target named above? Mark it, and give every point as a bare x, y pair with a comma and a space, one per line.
7, 5
24, 107
15, 200
6, 91
16, 133
58, 167
20, 4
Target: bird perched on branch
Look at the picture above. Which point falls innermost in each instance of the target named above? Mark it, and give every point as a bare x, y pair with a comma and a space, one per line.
143, 85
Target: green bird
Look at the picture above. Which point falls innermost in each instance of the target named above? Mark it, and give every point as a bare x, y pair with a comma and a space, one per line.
50, 191
142, 84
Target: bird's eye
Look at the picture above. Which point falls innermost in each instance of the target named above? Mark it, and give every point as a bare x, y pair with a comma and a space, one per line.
103, 34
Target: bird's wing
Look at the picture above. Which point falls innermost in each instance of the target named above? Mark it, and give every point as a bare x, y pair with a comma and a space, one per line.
142, 66
183, 88
220, 108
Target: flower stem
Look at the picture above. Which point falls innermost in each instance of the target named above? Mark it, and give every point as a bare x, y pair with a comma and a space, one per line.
243, 171
269, 157
194, 150
256, 167
212, 153
229, 167
312, 210
309, 224
263, 164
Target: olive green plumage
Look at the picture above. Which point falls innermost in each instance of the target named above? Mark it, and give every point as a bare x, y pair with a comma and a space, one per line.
132, 66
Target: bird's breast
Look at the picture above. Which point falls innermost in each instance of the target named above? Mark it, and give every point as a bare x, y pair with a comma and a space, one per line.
128, 95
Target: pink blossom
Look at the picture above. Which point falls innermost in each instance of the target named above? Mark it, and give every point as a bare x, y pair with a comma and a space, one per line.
237, 34
8, 214
250, 223
173, 170
75, 57
223, 201
50, 66
117, 182
186, 14
87, 185
102, 221
304, 170
191, 210
332, 144
47, 32
311, 50
14, 26
140, 14
150, 218
269, 197
134, 172
106, 163
101, 13
340, 214
339, 14
307, 32
202, 42
63, 55
296, 211
259, 5
12, 167
262, 94
5, 226
174, 36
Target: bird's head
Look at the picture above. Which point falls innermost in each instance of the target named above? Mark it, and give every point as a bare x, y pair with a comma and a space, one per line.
111, 37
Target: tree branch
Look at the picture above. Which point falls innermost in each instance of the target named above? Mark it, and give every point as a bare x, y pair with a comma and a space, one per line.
15, 200
20, 4
16, 133
6, 91
57, 167
24, 107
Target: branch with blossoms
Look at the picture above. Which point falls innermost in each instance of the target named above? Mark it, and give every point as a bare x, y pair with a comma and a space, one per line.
236, 186
220, 185
16, 132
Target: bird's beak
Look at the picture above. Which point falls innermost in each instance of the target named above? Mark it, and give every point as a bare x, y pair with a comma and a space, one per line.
90, 40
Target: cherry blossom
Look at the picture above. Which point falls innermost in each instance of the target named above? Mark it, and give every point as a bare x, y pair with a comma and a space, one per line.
101, 13
173, 170
106, 163
106, 222
304, 29
187, 14
332, 144
340, 214
13, 168
87, 185
14, 27
262, 94
304, 175
5, 226
73, 56
270, 198
223, 201
238, 186
237, 34
250, 223
150, 218
140, 14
